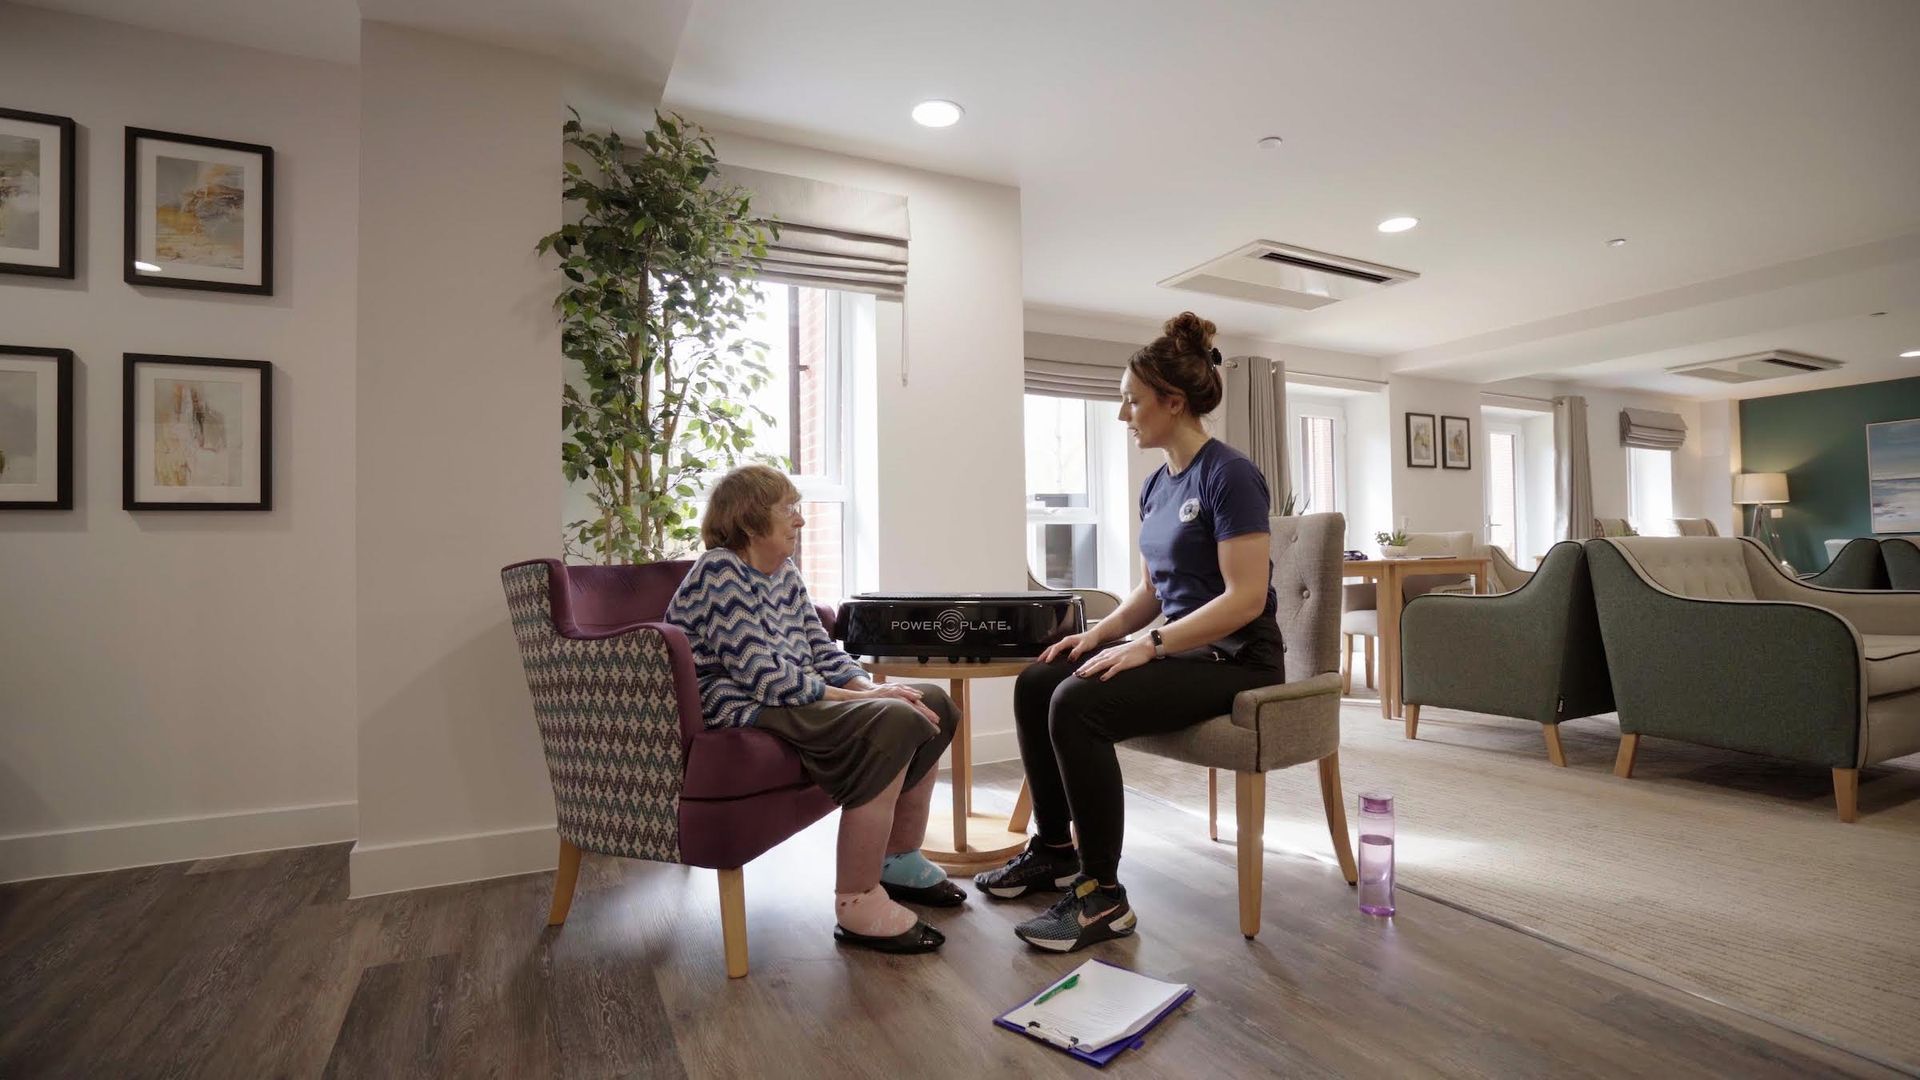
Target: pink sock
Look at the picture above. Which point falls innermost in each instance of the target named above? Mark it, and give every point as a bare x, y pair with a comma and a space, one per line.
872, 913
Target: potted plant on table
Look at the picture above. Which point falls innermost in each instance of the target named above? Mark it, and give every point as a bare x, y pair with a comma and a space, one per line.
658, 262
1393, 545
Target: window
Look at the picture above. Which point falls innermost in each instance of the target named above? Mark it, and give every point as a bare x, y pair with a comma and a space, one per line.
1076, 493
1317, 490
1504, 462
808, 334
1650, 490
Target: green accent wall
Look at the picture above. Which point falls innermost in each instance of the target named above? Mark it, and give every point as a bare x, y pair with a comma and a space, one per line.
1819, 439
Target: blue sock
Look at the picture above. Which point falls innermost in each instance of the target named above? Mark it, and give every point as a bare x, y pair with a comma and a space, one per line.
912, 870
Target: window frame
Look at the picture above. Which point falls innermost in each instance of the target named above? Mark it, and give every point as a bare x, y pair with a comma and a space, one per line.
1661, 526
1299, 407
1110, 572
1519, 478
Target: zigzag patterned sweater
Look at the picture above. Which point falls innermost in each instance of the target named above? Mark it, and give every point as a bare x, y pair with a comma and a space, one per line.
756, 638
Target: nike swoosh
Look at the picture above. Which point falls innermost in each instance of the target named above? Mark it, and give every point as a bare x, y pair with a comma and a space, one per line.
1086, 922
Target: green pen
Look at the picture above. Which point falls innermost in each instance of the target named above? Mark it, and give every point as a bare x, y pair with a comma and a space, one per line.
1071, 982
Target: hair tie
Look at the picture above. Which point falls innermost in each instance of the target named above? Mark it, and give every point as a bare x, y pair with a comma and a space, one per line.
1215, 355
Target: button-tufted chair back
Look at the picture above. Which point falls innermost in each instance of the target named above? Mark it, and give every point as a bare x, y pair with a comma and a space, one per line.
1701, 567
1306, 583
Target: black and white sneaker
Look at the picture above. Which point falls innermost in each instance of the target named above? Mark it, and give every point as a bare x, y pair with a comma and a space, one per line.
1040, 868
1087, 915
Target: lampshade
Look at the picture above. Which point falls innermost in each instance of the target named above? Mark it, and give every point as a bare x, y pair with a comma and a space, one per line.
1760, 487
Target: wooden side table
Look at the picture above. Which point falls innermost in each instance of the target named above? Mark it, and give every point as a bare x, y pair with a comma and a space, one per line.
1388, 575
978, 841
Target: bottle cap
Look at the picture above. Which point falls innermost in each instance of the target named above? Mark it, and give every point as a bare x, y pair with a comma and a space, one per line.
1376, 802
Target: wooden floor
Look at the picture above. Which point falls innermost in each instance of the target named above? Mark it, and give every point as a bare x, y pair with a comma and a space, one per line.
259, 966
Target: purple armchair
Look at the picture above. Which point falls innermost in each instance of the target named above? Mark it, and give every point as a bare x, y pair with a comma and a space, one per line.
635, 770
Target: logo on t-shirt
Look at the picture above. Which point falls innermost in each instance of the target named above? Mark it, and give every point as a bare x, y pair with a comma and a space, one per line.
1189, 510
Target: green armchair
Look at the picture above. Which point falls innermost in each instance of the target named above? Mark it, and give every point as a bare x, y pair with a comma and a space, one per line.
1901, 557
1532, 654
1858, 566
1710, 642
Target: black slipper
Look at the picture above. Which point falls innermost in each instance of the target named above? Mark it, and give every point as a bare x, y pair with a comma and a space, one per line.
942, 893
921, 938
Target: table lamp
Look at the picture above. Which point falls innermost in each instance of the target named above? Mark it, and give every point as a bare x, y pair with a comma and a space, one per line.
1760, 489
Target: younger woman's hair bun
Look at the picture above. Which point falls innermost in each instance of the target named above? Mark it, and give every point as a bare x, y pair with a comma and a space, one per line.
1182, 361
1190, 333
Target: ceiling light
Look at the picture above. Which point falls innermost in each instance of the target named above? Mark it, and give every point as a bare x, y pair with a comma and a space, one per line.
1270, 142
146, 267
1398, 224
1910, 353
1618, 241
936, 114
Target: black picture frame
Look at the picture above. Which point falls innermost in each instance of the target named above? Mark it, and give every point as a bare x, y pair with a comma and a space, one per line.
1433, 442
180, 277
62, 363
1447, 427
130, 457
69, 133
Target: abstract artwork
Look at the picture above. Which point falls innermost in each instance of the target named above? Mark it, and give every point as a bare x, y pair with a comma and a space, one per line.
1456, 442
36, 194
199, 213
36, 428
1422, 442
198, 433
1893, 475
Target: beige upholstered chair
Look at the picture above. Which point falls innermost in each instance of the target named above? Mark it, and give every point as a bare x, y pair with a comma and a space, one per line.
1290, 724
1612, 527
1360, 616
1506, 575
1096, 604
1694, 527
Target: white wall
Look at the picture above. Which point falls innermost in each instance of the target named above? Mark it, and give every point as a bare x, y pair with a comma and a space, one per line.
175, 685
459, 372
950, 479
1437, 499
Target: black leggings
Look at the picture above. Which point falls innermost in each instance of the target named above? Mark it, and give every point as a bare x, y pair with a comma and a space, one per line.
1068, 725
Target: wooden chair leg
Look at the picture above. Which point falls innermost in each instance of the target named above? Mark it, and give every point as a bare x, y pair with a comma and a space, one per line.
1346, 665
1413, 721
1250, 814
733, 920
1623, 761
1555, 753
1369, 661
1022, 810
564, 879
1846, 793
1213, 804
1336, 807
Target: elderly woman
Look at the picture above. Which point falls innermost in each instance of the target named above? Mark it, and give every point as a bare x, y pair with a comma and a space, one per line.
764, 660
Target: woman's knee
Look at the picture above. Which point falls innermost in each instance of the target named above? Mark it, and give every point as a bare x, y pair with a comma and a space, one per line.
1074, 707
937, 700
1033, 688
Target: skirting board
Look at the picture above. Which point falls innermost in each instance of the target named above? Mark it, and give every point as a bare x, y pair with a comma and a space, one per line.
451, 860
992, 746
147, 843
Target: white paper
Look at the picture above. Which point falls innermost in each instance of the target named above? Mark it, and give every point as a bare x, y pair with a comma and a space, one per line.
1107, 1004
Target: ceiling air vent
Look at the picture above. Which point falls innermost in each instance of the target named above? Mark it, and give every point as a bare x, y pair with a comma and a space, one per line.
1280, 275
1754, 367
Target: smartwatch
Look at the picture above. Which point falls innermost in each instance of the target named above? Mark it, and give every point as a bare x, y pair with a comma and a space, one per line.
1159, 646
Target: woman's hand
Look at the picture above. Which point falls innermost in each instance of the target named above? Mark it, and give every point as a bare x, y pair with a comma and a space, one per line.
871, 692
1110, 663
1073, 647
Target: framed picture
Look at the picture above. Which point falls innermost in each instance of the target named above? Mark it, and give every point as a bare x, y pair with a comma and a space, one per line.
36, 428
36, 194
1456, 442
199, 213
1893, 476
198, 434
1422, 442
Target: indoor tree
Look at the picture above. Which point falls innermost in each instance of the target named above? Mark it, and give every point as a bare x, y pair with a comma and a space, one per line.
658, 261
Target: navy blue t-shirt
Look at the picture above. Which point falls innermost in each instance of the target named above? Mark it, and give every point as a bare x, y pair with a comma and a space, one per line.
1219, 495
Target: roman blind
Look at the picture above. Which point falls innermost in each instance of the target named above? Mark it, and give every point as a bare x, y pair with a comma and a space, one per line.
1650, 429
1057, 378
831, 236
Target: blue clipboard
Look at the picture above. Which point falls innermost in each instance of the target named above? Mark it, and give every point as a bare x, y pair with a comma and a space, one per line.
1101, 1056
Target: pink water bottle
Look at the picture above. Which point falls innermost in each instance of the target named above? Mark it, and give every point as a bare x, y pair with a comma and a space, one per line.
1376, 852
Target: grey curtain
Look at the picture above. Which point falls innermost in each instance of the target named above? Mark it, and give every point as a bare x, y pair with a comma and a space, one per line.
1056, 378
1572, 469
1651, 429
1254, 414
831, 236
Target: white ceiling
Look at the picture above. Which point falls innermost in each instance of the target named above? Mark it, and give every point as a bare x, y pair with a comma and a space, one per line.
1761, 156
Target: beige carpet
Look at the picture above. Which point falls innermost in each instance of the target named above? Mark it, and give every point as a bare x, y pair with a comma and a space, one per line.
1723, 874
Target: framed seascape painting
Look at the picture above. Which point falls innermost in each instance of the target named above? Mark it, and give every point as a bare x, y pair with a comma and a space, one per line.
36, 428
36, 194
1456, 442
1422, 441
199, 213
198, 434
1893, 475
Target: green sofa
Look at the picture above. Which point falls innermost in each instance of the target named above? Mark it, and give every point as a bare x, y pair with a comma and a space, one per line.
1858, 566
1710, 642
1532, 654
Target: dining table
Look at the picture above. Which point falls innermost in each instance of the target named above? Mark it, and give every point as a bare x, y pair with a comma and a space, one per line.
1389, 577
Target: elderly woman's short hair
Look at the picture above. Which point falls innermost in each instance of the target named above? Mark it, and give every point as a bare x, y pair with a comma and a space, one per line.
743, 504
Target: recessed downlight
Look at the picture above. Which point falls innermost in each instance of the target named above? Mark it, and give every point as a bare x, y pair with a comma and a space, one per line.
1398, 224
1270, 142
1910, 353
937, 114
1618, 241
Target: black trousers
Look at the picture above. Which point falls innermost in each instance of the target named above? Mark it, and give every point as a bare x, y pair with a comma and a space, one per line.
1068, 725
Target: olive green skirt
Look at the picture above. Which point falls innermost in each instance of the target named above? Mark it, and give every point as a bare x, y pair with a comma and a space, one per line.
854, 749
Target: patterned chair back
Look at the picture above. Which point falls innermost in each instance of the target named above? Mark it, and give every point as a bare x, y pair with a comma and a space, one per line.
1307, 563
